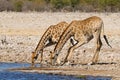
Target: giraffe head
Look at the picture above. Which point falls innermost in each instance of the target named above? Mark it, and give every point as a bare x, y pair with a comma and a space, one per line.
53, 59
33, 58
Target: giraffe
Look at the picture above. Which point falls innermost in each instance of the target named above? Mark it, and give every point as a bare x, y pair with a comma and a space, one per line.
82, 31
50, 37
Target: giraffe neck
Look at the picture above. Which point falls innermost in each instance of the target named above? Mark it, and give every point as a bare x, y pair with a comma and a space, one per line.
65, 36
42, 42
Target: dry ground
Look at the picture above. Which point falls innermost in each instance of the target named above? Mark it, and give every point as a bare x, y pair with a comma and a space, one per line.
20, 33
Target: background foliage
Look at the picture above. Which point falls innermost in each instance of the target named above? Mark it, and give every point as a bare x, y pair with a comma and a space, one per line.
60, 5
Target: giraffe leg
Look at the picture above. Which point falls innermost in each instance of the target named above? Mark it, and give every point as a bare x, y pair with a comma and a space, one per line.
97, 49
51, 57
47, 45
41, 57
70, 51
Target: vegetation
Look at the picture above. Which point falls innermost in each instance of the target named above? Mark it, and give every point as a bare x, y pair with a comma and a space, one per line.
60, 5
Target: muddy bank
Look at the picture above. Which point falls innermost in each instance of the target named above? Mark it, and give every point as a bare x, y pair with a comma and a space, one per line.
72, 71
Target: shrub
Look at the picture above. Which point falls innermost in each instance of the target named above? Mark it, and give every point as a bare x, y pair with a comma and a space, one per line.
18, 6
58, 5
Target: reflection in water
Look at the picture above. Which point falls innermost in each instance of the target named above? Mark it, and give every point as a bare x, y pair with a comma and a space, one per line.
15, 75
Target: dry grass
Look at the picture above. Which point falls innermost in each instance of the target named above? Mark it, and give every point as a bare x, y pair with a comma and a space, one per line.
23, 23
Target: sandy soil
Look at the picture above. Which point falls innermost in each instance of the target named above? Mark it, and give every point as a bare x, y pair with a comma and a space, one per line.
20, 33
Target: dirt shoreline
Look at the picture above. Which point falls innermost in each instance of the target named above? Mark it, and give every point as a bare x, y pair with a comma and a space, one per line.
72, 71
21, 32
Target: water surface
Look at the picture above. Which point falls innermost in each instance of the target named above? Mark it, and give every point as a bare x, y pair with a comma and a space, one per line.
16, 75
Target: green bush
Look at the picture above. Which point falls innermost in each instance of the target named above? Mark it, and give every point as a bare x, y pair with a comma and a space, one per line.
58, 5
18, 6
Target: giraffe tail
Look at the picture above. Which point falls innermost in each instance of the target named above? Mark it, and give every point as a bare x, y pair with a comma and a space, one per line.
105, 37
